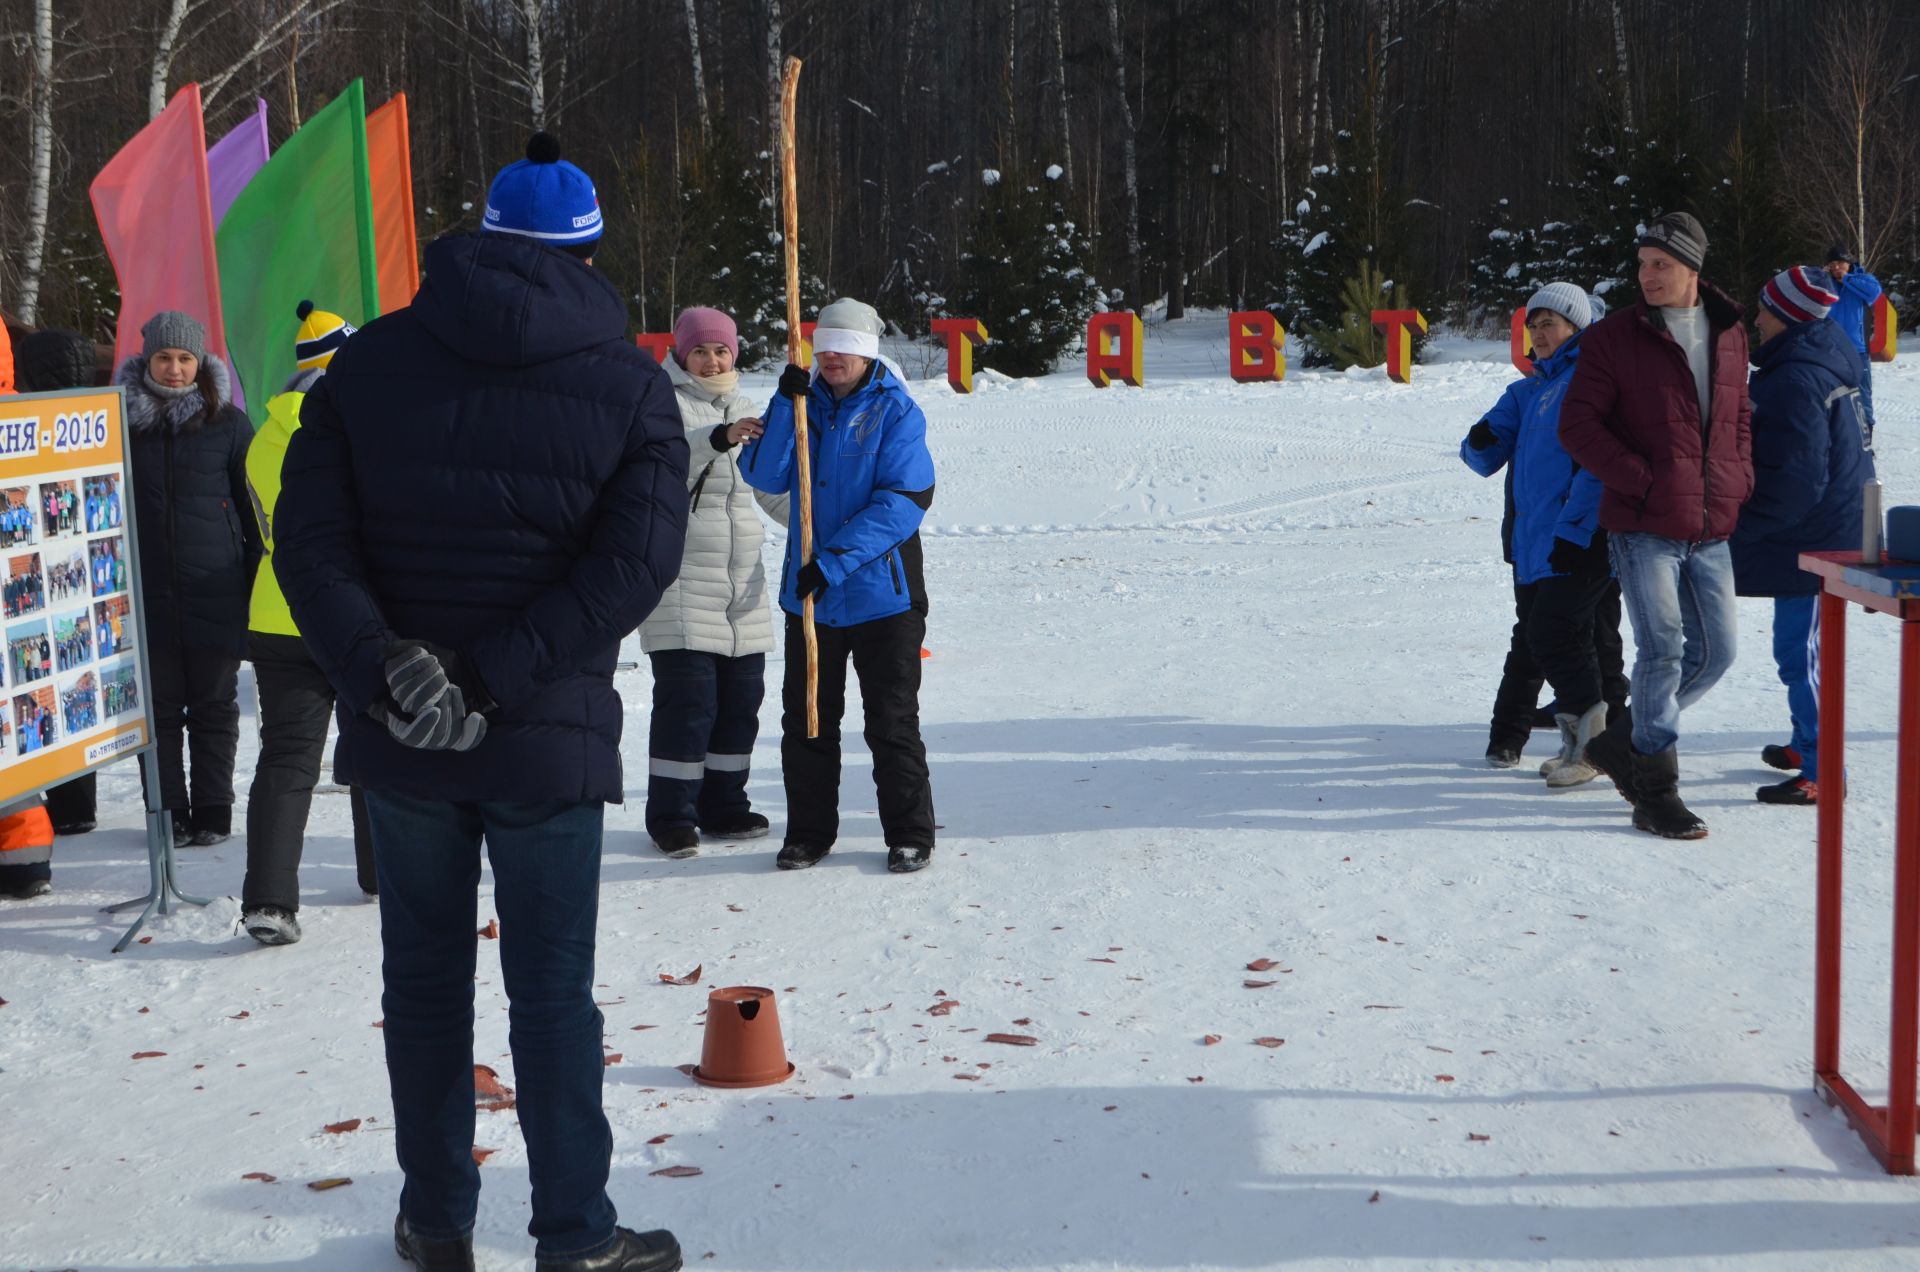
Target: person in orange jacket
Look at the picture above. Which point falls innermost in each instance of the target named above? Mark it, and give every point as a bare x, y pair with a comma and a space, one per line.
26, 837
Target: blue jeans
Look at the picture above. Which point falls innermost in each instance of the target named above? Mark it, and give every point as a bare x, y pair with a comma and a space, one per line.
1680, 598
1792, 632
706, 715
546, 869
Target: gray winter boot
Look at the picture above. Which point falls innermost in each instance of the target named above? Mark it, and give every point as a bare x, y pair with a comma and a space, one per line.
1575, 770
1566, 752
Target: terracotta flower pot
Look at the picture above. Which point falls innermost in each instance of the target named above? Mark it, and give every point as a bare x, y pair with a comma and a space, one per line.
743, 1047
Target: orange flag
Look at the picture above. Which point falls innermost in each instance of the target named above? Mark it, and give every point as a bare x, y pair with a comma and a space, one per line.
156, 218
390, 168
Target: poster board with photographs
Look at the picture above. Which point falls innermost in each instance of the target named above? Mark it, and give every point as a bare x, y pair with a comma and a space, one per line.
74, 680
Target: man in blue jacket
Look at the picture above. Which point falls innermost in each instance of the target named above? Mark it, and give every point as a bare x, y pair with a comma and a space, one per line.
872, 484
1859, 293
486, 493
1811, 455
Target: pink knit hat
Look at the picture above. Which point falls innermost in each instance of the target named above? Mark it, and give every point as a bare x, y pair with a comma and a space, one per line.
701, 325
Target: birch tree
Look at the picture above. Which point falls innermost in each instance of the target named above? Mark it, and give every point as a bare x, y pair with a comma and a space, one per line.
33, 260
699, 72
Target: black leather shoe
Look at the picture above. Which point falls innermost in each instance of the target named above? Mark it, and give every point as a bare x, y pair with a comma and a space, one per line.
908, 860
431, 1255
631, 1251
799, 856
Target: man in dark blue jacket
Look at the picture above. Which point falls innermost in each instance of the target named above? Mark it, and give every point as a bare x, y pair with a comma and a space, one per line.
487, 492
1810, 458
1859, 293
873, 482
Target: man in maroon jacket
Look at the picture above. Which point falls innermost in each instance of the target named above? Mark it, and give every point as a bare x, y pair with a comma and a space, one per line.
1658, 411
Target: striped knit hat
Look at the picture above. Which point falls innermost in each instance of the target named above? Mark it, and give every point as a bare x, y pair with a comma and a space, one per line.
1799, 294
320, 334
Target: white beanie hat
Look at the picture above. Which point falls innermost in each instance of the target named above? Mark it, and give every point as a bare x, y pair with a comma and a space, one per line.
1566, 300
849, 326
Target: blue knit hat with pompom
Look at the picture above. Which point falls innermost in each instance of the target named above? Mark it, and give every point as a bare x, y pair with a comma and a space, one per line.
544, 197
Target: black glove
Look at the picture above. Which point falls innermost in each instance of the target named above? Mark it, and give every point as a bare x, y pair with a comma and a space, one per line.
1569, 557
811, 581
1481, 436
794, 382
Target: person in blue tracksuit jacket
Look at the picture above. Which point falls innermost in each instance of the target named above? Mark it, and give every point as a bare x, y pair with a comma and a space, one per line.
1812, 452
1859, 292
1565, 596
872, 484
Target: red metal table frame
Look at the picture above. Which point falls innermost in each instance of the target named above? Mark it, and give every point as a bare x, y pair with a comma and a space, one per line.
1888, 1132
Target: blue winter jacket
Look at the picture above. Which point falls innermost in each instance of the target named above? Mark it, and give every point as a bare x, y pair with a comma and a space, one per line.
1552, 496
872, 485
495, 469
1810, 458
1858, 292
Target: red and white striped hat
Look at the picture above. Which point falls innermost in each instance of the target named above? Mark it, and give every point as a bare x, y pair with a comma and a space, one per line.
1799, 294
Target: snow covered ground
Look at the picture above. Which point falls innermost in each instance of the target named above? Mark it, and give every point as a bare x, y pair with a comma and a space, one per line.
1211, 669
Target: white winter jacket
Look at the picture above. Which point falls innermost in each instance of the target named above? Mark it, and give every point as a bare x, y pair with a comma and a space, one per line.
718, 605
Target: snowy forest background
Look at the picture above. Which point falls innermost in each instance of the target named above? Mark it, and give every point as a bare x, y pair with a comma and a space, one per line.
1028, 161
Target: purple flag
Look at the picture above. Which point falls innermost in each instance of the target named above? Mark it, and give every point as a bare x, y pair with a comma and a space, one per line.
232, 161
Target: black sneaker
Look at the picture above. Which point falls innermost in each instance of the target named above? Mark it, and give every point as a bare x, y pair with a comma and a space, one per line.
908, 860
1501, 756
431, 1255
1795, 790
1785, 758
631, 1251
737, 826
678, 842
795, 856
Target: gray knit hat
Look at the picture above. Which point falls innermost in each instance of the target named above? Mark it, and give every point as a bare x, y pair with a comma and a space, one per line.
1564, 299
1680, 235
171, 329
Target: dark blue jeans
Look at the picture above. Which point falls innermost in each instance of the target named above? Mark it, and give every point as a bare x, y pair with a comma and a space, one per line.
546, 870
706, 715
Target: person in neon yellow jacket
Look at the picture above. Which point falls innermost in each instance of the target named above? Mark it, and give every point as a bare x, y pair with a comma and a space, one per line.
296, 701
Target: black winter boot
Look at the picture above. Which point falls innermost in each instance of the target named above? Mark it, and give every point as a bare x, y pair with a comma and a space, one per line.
631, 1251
909, 859
678, 842
737, 826
429, 1254
210, 824
1612, 752
1657, 808
795, 856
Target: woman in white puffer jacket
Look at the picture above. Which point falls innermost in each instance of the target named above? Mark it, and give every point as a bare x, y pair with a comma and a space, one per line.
708, 638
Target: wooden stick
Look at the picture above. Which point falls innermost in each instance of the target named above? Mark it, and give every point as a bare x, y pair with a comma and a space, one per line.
790, 209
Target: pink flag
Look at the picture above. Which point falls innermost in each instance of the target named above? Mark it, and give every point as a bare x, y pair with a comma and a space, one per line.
232, 160
156, 217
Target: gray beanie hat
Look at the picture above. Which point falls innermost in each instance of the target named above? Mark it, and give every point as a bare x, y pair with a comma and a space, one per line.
1680, 235
1564, 299
171, 329
849, 326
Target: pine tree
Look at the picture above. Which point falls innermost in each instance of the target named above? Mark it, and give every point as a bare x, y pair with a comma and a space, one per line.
1353, 341
1024, 274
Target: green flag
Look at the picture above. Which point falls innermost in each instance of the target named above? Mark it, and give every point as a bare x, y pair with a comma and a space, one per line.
301, 230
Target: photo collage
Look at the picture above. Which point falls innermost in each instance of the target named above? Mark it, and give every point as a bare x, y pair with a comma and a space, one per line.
66, 613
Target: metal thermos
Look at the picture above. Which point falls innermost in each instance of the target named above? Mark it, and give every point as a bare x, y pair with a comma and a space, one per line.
1872, 522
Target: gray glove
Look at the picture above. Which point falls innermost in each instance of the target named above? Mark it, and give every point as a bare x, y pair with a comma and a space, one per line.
444, 725
415, 678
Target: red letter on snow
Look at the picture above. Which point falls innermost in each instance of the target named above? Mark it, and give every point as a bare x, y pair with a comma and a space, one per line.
962, 334
1123, 331
1256, 344
1398, 324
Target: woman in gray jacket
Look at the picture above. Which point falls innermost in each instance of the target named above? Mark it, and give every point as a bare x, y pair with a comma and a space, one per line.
709, 637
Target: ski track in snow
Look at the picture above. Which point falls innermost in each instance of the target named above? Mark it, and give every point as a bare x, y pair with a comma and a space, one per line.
1211, 668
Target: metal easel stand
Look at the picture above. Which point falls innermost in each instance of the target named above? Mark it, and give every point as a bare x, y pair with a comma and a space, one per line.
161, 887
